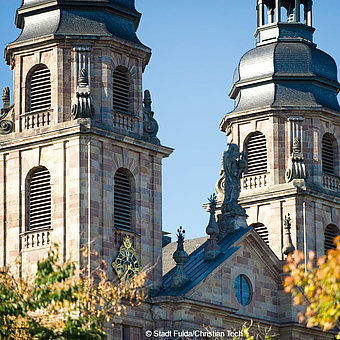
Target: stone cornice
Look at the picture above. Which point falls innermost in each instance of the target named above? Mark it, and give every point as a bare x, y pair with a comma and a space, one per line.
74, 129
272, 111
284, 191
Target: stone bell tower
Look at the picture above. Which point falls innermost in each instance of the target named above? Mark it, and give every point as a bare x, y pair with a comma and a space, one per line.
287, 122
80, 163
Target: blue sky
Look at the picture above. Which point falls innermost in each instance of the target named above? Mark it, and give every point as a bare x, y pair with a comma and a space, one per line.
196, 46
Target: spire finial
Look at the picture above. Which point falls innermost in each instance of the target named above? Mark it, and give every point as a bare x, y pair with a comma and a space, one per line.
212, 249
289, 247
6, 98
180, 256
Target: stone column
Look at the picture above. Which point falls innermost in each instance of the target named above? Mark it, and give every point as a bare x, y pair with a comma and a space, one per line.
297, 10
270, 15
261, 12
278, 10
309, 14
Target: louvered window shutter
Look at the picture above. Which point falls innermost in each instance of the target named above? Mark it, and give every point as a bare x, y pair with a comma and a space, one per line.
122, 200
256, 149
327, 155
121, 90
40, 89
330, 233
40, 199
262, 231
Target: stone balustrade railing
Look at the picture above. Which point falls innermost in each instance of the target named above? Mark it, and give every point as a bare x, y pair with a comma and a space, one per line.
34, 119
249, 182
331, 182
124, 121
36, 238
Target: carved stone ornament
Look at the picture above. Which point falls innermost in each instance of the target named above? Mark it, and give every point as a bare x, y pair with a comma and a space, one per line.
6, 122
82, 103
212, 249
180, 256
158, 313
150, 125
296, 166
289, 247
126, 264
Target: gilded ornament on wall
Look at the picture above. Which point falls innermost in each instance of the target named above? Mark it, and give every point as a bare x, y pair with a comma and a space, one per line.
126, 264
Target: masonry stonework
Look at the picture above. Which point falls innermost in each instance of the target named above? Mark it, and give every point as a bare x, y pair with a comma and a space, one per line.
83, 155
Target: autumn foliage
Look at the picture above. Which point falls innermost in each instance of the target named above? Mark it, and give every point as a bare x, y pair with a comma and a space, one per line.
316, 286
60, 302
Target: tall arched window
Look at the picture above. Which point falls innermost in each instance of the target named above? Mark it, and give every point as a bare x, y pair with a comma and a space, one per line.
39, 89
121, 89
122, 200
262, 230
39, 199
256, 153
331, 231
329, 149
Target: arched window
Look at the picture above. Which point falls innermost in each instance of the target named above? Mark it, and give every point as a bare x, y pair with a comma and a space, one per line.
256, 153
39, 89
329, 149
39, 199
331, 231
122, 200
262, 230
121, 89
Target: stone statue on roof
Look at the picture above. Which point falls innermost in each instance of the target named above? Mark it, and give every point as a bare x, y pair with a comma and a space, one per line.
234, 165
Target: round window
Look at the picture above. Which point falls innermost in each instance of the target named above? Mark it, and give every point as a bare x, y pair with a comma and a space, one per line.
243, 290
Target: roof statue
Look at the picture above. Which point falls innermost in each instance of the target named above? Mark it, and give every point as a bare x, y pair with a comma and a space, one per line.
232, 216
234, 165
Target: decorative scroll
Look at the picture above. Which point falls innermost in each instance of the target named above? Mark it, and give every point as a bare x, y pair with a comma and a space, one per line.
82, 104
6, 123
296, 166
150, 124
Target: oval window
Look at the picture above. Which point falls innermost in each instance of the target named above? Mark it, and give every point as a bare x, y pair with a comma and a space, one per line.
243, 290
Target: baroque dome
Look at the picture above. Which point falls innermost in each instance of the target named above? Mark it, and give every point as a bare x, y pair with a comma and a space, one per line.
94, 18
286, 73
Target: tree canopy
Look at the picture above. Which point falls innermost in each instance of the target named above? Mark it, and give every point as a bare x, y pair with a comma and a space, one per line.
61, 302
316, 286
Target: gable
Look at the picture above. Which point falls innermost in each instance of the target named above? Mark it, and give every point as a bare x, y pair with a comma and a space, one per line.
250, 259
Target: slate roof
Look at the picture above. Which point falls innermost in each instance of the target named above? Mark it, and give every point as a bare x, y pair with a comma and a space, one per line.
197, 268
168, 251
96, 18
286, 74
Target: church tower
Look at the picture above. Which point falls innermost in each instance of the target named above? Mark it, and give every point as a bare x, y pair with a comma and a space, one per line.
80, 163
287, 121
